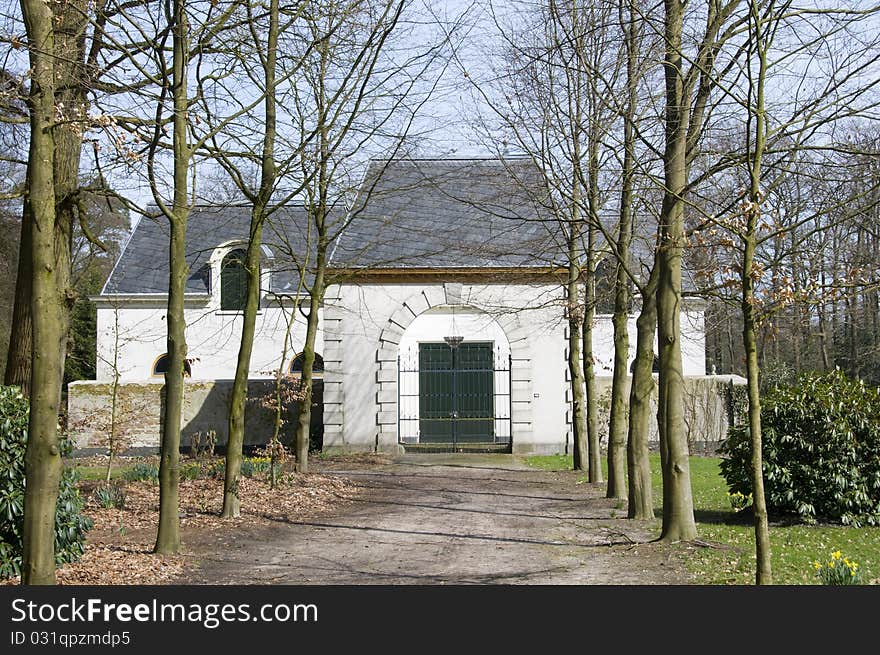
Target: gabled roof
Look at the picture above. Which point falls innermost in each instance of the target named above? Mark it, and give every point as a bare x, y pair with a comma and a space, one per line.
442, 213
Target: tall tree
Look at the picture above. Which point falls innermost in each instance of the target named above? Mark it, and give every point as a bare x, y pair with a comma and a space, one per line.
777, 131
74, 57
354, 95
194, 30
549, 98
260, 199
618, 459
760, 41
168, 534
43, 457
690, 79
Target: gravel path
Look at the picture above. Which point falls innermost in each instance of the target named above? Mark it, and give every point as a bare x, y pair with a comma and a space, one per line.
450, 519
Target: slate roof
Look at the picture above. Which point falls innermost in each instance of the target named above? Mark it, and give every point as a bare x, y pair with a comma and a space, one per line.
474, 213
143, 266
408, 214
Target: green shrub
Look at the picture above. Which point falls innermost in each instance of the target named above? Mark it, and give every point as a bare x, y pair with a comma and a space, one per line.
71, 525
191, 471
821, 450
217, 470
109, 496
140, 472
248, 468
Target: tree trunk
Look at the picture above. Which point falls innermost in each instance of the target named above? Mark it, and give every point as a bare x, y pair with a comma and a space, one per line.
640, 503
617, 424
42, 457
594, 452
760, 44
823, 329
238, 398
575, 364
112, 445
731, 349
316, 296
18, 358
678, 511
71, 24
618, 457
237, 403
168, 536
763, 572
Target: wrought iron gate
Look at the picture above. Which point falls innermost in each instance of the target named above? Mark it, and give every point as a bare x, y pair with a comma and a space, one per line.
454, 395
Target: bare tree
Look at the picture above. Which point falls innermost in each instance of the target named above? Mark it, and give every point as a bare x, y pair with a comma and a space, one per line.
690, 79
260, 199
548, 100
777, 131
356, 93
174, 82
43, 457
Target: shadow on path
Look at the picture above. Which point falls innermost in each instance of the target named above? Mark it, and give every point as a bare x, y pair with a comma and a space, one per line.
427, 521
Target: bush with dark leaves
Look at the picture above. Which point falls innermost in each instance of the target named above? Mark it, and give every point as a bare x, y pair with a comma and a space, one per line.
821, 450
71, 525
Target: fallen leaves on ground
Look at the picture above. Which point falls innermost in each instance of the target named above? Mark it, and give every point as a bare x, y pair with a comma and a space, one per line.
119, 546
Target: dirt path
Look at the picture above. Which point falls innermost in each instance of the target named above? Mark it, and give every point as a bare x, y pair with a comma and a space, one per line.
437, 519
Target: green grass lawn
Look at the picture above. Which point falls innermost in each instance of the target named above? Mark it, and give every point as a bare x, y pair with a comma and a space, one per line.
96, 472
794, 547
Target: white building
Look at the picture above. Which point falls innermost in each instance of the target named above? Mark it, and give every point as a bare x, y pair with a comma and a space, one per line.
433, 249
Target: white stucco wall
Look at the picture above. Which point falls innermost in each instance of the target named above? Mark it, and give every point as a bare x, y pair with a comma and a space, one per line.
213, 338
363, 330
370, 323
693, 341
693, 338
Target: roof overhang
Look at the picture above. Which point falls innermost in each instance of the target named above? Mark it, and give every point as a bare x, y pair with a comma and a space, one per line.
482, 273
147, 299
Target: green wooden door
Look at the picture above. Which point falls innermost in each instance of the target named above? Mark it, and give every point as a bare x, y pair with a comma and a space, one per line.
456, 393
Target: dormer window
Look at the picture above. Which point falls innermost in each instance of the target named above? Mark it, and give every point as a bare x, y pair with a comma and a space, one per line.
233, 280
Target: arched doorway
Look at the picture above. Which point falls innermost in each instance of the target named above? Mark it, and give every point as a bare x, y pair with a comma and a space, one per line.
454, 380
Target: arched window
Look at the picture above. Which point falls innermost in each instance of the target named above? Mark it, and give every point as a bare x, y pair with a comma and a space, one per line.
296, 366
655, 365
233, 280
161, 365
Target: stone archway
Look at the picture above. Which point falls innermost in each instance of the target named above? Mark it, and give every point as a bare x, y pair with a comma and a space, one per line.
438, 300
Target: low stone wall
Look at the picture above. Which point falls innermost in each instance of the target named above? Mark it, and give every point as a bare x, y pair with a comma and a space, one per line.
139, 409
711, 402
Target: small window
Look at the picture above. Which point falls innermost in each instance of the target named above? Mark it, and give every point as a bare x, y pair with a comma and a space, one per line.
606, 286
233, 280
655, 365
296, 366
160, 366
